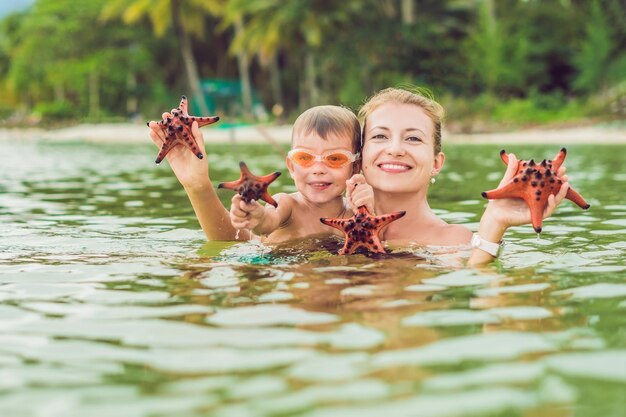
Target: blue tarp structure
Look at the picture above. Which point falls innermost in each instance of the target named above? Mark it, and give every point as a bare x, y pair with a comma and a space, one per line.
223, 97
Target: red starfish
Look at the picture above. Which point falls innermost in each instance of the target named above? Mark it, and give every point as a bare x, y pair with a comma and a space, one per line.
251, 187
534, 182
362, 230
177, 130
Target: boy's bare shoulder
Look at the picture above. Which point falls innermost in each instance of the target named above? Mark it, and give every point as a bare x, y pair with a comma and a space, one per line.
285, 198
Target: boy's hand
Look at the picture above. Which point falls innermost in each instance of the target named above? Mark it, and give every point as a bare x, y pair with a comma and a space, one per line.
359, 193
245, 215
190, 171
514, 211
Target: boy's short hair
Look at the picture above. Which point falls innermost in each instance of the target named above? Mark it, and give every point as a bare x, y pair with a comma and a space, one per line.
419, 97
328, 119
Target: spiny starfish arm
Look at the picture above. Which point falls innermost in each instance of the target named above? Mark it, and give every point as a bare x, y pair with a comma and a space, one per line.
385, 219
504, 156
577, 199
268, 198
559, 159
204, 121
536, 216
167, 146
336, 223
245, 171
507, 191
231, 185
269, 177
183, 106
188, 140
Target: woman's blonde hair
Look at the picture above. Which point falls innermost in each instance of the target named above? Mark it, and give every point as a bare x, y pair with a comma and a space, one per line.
328, 119
420, 97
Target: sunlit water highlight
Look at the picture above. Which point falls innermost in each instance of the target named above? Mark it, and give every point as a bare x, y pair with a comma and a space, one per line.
112, 303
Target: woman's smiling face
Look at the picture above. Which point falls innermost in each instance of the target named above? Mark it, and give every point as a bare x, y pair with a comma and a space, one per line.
398, 149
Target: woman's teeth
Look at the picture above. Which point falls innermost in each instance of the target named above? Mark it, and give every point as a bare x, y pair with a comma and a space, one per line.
394, 167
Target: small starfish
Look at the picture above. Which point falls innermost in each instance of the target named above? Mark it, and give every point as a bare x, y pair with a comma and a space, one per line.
177, 130
251, 187
362, 230
534, 182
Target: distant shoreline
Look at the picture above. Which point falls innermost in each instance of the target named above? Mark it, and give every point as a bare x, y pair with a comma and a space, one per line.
137, 133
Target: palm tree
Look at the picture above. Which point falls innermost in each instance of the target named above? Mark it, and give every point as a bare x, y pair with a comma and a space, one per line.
166, 14
298, 26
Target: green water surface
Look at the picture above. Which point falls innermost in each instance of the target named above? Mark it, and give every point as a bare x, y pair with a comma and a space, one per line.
113, 304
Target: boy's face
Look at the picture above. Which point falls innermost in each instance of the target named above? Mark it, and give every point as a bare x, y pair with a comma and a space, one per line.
320, 183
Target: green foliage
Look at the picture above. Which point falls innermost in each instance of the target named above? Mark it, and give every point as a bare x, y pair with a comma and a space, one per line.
499, 60
55, 111
592, 59
539, 109
485, 112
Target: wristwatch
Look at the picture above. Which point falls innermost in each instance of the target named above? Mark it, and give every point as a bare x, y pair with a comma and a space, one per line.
493, 249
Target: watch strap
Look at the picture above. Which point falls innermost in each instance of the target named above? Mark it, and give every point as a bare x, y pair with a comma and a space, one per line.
492, 248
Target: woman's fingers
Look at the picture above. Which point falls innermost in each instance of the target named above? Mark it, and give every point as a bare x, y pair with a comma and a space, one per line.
363, 195
351, 186
550, 207
359, 193
554, 200
364, 201
562, 193
511, 169
355, 180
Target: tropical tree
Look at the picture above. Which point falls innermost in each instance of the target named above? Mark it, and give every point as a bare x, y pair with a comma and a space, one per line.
299, 27
168, 15
58, 53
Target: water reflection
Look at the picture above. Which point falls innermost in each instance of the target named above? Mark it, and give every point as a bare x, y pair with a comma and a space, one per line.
112, 303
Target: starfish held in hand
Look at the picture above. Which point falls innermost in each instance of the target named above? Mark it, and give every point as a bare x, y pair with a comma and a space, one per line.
534, 182
177, 130
250, 187
362, 230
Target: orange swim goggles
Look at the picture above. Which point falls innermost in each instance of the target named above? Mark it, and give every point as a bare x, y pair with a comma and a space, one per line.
332, 159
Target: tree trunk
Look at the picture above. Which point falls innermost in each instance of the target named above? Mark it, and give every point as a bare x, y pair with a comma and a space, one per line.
311, 79
191, 67
408, 11
131, 101
303, 97
277, 90
244, 74
59, 92
491, 14
94, 94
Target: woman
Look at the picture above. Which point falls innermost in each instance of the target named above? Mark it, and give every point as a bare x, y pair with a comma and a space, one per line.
401, 156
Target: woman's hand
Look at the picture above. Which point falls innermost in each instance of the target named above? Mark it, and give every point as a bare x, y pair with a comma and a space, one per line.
245, 215
359, 193
190, 171
514, 211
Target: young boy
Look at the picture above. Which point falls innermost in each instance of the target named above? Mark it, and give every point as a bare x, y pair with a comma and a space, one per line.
317, 131
324, 156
